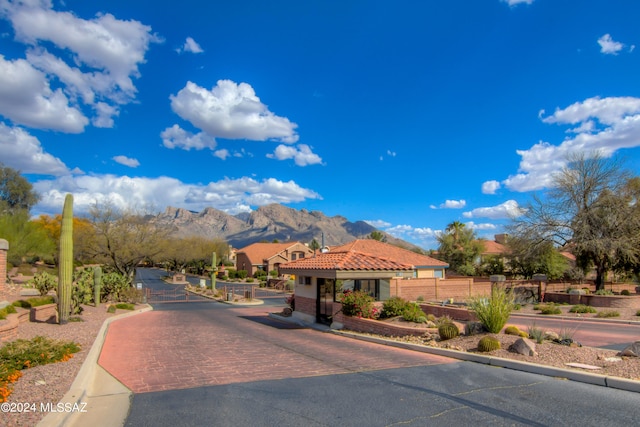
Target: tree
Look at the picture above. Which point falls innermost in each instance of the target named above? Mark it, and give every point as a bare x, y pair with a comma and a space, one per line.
378, 235
26, 238
527, 258
193, 251
124, 238
314, 245
16, 193
83, 234
592, 210
459, 247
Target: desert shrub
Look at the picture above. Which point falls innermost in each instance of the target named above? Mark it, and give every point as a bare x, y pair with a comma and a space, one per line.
549, 308
131, 295
242, 274
273, 273
535, 333
125, 306
5, 311
44, 282
603, 292
359, 304
111, 309
420, 298
566, 334
638, 313
260, 274
608, 313
448, 331
488, 343
232, 274
625, 292
22, 353
581, 308
249, 280
442, 320
393, 307
413, 313
493, 312
34, 302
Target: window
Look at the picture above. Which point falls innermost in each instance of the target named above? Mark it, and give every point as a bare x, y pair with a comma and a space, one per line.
304, 280
438, 274
293, 256
302, 255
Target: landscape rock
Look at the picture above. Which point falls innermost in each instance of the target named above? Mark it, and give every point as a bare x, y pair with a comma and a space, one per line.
551, 336
632, 350
473, 328
524, 346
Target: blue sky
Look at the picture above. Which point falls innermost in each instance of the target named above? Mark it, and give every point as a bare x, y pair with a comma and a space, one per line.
406, 114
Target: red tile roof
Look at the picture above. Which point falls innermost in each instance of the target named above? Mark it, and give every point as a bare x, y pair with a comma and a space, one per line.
345, 260
385, 250
493, 248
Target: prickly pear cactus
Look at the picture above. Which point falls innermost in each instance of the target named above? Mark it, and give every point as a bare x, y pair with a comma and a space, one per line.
97, 284
65, 269
488, 343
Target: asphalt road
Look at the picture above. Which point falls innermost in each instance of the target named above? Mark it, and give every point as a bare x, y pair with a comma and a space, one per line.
440, 394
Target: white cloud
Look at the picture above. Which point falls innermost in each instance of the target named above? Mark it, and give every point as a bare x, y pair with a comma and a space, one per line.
22, 151
231, 111
377, 223
516, 2
506, 210
190, 45
96, 62
27, 99
409, 232
176, 137
604, 125
302, 154
609, 46
127, 161
453, 204
486, 226
222, 154
230, 195
490, 187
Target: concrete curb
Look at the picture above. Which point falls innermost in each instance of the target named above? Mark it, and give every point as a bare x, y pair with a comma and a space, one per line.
550, 371
95, 397
578, 319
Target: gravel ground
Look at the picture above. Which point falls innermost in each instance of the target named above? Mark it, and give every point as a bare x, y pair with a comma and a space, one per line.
49, 383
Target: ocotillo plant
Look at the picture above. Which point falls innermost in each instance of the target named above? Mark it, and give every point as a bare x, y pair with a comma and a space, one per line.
97, 284
65, 269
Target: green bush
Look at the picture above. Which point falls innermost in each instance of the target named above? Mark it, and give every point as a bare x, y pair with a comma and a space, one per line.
260, 274
638, 313
608, 313
413, 313
21, 353
125, 306
603, 292
273, 273
393, 307
493, 312
359, 304
549, 308
625, 292
581, 308
512, 330
4, 312
44, 282
420, 298
111, 309
34, 302
249, 280
241, 274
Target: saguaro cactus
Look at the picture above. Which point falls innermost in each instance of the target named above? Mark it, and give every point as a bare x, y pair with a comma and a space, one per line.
214, 271
97, 284
65, 269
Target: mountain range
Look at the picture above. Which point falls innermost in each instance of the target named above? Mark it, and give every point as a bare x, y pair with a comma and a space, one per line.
267, 223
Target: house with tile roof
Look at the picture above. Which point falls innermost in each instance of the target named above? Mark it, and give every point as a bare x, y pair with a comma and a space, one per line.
269, 256
364, 265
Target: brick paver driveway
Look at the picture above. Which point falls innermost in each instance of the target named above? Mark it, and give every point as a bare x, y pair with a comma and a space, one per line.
214, 344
